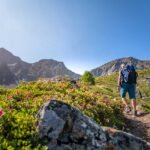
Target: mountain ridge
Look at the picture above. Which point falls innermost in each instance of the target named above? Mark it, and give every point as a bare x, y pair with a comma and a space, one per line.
21, 70
17, 69
114, 65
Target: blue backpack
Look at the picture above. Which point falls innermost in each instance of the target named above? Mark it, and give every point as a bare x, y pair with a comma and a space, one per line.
129, 75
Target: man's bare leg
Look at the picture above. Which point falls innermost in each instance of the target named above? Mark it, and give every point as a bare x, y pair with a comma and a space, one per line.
125, 102
127, 109
133, 103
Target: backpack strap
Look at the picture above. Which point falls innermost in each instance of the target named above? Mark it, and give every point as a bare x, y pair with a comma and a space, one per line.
122, 77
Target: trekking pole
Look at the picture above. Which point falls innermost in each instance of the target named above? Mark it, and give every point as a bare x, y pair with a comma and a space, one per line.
141, 97
140, 94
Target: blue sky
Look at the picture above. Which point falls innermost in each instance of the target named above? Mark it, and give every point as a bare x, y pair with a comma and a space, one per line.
84, 34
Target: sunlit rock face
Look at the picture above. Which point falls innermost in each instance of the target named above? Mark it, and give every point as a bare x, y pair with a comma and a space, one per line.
114, 66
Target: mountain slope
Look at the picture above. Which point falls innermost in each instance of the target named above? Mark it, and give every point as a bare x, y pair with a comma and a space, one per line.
16, 66
20, 105
6, 76
48, 68
20, 69
114, 66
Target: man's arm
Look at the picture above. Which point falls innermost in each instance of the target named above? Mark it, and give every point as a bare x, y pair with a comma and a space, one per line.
119, 81
119, 78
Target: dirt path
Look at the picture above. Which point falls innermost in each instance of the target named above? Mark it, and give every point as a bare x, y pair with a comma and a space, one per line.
139, 126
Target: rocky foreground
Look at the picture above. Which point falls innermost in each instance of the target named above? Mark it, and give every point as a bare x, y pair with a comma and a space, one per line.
66, 128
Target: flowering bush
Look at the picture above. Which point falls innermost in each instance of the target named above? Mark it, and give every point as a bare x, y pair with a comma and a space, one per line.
1, 112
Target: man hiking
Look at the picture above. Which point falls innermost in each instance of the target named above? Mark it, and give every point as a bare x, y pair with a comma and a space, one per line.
127, 84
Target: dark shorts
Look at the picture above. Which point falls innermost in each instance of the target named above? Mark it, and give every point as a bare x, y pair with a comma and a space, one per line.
128, 88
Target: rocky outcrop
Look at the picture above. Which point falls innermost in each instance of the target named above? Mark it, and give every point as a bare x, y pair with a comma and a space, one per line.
114, 66
119, 140
66, 128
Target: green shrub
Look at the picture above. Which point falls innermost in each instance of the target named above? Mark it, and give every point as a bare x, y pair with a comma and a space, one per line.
88, 78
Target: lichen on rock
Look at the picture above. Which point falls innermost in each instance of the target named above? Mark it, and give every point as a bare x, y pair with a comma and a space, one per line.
66, 128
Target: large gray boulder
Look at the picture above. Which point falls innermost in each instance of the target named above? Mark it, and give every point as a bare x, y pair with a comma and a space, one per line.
66, 128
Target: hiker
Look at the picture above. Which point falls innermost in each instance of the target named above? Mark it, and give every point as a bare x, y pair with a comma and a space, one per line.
127, 84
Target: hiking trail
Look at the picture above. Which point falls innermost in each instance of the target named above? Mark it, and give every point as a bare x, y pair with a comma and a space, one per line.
139, 126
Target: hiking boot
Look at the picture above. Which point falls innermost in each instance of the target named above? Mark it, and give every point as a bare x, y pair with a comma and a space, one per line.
136, 113
127, 109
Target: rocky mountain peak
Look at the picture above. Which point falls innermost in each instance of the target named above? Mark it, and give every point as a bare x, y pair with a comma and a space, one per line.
114, 65
7, 57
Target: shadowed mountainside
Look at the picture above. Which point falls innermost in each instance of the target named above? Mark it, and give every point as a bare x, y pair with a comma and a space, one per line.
16, 69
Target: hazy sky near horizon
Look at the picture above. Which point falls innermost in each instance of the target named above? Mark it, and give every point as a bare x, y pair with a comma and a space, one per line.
84, 34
